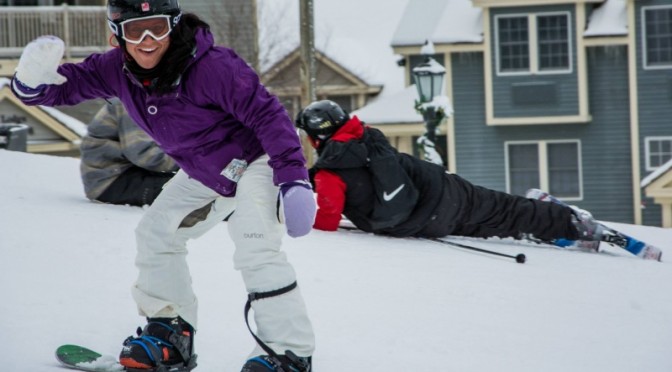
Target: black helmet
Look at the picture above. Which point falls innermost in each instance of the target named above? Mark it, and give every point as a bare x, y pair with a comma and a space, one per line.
321, 119
123, 10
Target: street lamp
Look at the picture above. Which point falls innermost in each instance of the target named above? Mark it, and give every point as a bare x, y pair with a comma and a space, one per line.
429, 82
429, 79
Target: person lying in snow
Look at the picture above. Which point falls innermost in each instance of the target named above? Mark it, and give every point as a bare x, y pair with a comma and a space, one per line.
121, 164
360, 175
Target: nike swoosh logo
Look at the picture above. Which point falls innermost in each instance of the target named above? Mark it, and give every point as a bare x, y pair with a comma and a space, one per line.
394, 193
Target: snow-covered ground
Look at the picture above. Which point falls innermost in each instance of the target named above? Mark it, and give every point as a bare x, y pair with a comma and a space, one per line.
378, 304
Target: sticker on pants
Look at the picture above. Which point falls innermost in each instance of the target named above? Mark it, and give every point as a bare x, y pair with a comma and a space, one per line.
235, 169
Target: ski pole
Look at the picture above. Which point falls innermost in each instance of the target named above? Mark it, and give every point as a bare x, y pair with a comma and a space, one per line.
520, 258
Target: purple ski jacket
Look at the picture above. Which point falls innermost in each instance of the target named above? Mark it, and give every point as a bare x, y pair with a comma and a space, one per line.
218, 112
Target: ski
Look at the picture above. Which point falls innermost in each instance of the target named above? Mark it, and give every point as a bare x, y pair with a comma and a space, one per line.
577, 245
609, 235
83, 359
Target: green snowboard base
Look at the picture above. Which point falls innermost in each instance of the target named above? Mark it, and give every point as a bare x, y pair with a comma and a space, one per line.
83, 359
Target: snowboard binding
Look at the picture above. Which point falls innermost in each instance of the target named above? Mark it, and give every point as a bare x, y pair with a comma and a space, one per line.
164, 345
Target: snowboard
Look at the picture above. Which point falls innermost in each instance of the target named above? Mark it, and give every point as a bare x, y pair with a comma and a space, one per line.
83, 359
609, 235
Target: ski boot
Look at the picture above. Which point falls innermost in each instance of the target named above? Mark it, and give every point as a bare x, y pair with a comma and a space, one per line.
164, 345
585, 225
282, 363
588, 228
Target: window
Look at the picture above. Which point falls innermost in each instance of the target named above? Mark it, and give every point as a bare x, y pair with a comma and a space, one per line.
658, 152
514, 48
553, 42
563, 169
548, 165
657, 34
527, 44
523, 168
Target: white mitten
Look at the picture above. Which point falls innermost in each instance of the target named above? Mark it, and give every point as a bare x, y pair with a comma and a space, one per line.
39, 62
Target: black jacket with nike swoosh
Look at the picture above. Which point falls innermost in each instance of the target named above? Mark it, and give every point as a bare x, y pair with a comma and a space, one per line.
446, 203
404, 208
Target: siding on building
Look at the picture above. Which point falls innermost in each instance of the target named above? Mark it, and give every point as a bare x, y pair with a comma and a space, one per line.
609, 187
607, 161
654, 88
479, 151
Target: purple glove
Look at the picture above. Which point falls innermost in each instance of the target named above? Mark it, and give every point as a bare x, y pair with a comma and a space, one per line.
298, 207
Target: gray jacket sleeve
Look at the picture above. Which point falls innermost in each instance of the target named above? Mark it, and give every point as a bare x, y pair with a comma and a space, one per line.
113, 144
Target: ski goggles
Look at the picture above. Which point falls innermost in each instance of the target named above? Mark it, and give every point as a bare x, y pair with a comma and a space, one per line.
134, 30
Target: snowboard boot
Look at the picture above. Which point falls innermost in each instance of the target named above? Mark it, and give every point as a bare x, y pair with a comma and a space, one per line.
283, 363
165, 344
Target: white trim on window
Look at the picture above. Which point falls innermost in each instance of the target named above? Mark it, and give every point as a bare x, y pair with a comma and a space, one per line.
647, 150
544, 178
533, 44
645, 64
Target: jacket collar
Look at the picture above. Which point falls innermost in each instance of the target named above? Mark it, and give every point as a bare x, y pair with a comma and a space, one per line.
352, 129
204, 42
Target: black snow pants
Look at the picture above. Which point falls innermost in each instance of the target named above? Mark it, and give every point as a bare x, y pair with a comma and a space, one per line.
136, 186
469, 210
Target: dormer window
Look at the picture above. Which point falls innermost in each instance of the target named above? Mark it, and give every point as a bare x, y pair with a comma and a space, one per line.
533, 44
657, 35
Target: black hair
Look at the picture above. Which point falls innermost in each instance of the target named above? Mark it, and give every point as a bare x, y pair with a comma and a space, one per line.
180, 51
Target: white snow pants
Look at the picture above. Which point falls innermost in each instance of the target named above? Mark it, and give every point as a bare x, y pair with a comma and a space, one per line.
164, 287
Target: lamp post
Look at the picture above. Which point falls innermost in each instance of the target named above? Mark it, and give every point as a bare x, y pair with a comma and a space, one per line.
432, 104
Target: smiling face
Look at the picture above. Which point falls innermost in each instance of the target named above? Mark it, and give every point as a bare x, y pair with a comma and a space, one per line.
149, 52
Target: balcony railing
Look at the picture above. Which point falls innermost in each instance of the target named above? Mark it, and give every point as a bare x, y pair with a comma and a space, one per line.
83, 28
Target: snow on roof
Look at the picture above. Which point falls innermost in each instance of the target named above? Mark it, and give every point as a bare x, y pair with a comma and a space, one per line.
657, 173
394, 108
461, 22
278, 39
71, 123
458, 21
440, 21
610, 19
354, 57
